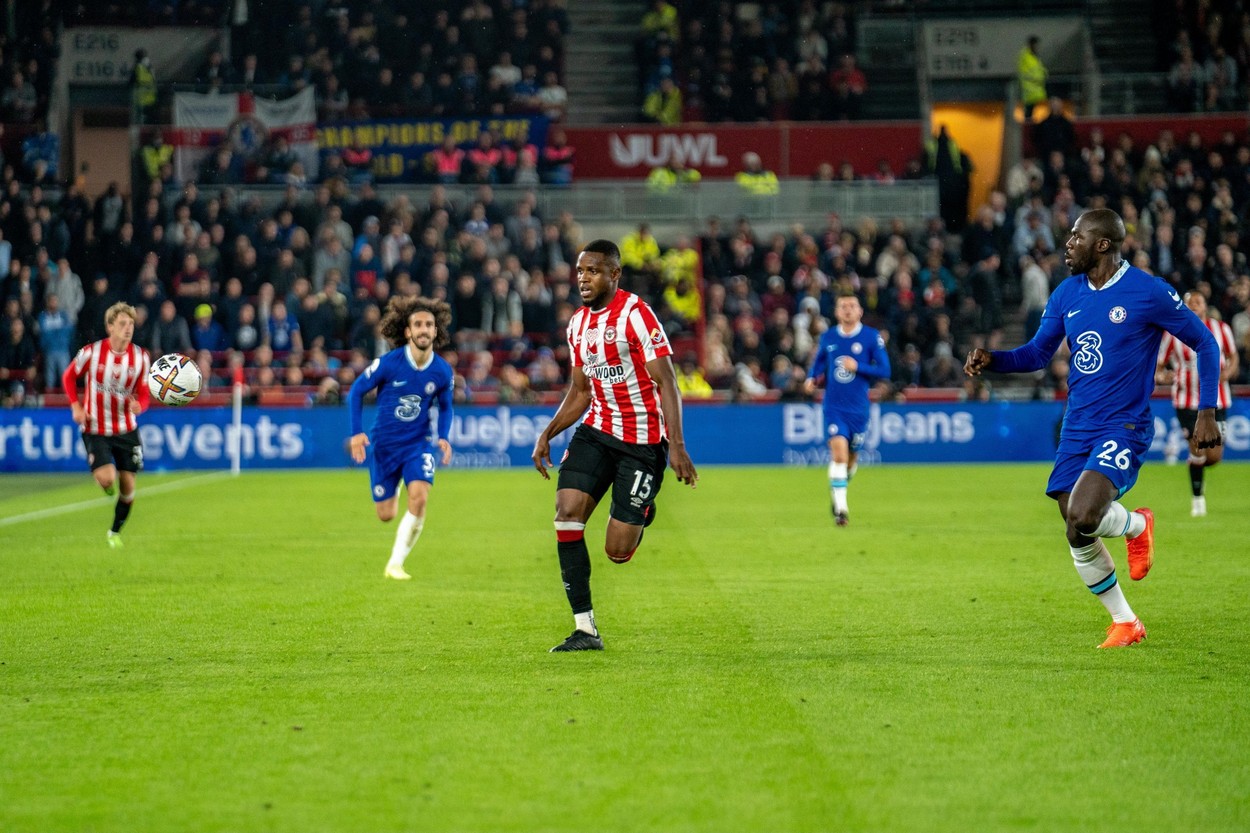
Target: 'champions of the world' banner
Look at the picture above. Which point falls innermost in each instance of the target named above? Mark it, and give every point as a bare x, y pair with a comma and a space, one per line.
399, 146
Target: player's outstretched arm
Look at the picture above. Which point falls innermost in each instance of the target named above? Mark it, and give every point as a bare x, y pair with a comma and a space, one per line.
978, 360
576, 401
358, 443
661, 370
1207, 430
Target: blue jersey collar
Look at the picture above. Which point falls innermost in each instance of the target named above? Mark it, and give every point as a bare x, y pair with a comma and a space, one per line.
412, 362
1119, 273
858, 329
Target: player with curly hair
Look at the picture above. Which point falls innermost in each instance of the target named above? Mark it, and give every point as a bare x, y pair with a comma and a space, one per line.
414, 390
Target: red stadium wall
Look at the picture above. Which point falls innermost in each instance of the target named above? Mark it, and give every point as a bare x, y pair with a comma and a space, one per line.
1145, 129
791, 149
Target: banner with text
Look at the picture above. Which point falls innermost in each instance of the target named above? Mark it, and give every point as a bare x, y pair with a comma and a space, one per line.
247, 124
990, 47
786, 148
399, 146
46, 440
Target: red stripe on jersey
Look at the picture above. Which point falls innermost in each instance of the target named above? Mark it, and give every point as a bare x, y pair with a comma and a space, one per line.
1184, 363
613, 346
112, 379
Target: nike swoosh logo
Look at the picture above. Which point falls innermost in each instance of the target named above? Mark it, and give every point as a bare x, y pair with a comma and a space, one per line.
1074, 312
397, 384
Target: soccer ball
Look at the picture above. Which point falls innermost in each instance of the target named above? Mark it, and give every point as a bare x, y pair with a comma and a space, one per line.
174, 379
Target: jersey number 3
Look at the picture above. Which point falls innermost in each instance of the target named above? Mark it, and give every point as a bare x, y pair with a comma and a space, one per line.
1088, 359
409, 407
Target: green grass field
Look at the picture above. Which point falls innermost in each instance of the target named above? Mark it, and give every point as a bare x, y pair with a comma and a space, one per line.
243, 666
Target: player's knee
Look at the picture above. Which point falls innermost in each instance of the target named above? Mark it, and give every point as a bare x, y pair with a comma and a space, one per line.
105, 480
619, 556
385, 512
417, 506
1084, 520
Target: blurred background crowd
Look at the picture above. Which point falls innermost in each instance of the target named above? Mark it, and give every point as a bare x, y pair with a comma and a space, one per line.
288, 292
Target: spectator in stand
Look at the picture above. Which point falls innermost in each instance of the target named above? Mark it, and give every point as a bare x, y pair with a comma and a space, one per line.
18, 357
851, 78
663, 105
283, 330
1031, 75
556, 167
246, 335
641, 266
56, 335
691, 382
501, 307
1186, 83
446, 161
1034, 238
754, 179
682, 306
553, 98
1055, 132
483, 159
208, 334
783, 89
170, 333
19, 101
359, 161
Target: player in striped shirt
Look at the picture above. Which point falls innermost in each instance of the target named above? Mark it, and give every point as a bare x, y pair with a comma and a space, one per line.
116, 374
622, 379
1178, 366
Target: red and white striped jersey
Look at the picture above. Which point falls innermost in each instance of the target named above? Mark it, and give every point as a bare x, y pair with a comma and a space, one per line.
112, 379
1184, 364
612, 347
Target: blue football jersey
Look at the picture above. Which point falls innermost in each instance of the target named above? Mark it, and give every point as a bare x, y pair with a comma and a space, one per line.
414, 403
847, 392
1114, 335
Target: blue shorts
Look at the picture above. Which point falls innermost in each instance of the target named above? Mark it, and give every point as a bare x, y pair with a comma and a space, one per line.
851, 425
1116, 454
411, 462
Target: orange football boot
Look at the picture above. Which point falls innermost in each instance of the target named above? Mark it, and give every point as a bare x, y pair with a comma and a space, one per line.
1123, 634
1141, 550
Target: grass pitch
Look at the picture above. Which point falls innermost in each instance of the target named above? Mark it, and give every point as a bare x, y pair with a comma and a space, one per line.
242, 665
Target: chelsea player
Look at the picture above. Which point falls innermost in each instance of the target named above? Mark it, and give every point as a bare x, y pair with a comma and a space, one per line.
851, 357
414, 417
1113, 317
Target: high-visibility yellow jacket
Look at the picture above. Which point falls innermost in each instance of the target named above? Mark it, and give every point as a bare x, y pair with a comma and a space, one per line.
1032, 74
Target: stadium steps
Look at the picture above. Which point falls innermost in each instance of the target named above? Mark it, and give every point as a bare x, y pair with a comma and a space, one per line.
1123, 40
893, 93
600, 70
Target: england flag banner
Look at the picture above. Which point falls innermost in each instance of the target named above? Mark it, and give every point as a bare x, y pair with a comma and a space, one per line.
246, 125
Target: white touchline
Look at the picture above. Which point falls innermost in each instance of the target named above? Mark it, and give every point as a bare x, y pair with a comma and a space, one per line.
52, 511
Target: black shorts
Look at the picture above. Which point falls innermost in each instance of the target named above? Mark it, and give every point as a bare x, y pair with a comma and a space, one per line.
595, 460
123, 451
1188, 418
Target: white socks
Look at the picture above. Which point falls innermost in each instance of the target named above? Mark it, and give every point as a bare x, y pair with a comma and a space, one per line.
1118, 522
1097, 570
406, 536
837, 486
586, 622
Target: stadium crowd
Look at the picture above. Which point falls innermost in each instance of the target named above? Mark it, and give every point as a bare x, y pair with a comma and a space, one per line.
720, 60
291, 294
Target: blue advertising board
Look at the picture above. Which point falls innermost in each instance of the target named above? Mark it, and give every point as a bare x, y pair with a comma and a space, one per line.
46, 440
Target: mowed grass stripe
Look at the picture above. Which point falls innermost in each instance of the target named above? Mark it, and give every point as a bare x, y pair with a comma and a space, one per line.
242, 664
